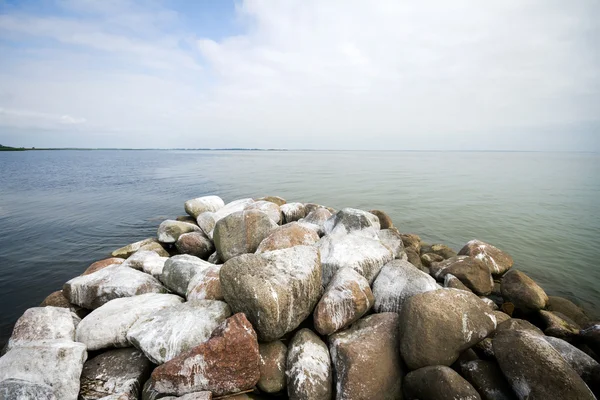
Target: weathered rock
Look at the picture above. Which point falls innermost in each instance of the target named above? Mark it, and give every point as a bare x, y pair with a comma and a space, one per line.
269, 208
486, 377
126, 251
523, 292
293, 212
226, 363
308, 370
493, 306
471, 271
591, 337
186, 218
391, 239
310, 207
437, 326
397, 282
366, 359
443, 251
559, 325
450, 281
120, 372
570, 309
170, 230
272, 366
414, 258
412, 241
179, 271
195, 244
316, 219
19, 389
276, 290
55, 363
516, 324
42, 323
155, 247
437, 383
495, 259
197, 206
288, 235
241, 233
207, 220
93, 290
168, 332
197, 396
428, 259
148, 261
98, 265
385, 222
56, 299
273, 199
535, 370
107, 326
500, 317
215, 259
347, 298
352, 220
354, 250
205, 285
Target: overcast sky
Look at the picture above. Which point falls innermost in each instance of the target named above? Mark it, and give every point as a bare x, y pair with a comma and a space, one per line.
320, 74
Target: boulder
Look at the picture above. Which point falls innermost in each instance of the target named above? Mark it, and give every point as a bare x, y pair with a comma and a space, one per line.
58, 299
414, 258
148, 261
391, 239
437, 382
226, 363
126, 251
385, 222
497, 261
288, 235
98, 265
471, 271
19, 389
591, 337
107, 326
347, 298
168, 332
276, 290
241, 233
155, 247
535, 370
34, 367
516, 324
42, 323
354, 250
412, 241
207, 220
170, 230
308, 370
500, 316
195, 244
486, 377
523, 292
398, 281
269, 208
93, 290
570, 309
179, 271
443, 251
428, 259
186, 218
273, 199
436, 326
292, 212
450, 281
316, 219
559, 325
491, 304
197, 206
205, 285
352, 220
366, 359
120, 372
310, 207
272, 366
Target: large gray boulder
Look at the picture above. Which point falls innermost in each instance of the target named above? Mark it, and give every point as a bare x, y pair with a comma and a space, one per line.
352, 220
19, 389
241, 233
308, 370
437, 382
93, 290
276, 290
437, 326
523, 292
269, 208
366, 359
170, 230
497, 261
42, 323
108, 325
471, 271
197, 206
288, 235
195, 244
272, 366
205, 285
148, 261
168, 332
535, 370
179, 271
397, 281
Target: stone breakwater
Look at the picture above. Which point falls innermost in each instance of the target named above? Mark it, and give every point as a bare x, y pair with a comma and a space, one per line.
260, 298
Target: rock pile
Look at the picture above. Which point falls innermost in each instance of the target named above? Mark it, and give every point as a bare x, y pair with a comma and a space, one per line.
260, 298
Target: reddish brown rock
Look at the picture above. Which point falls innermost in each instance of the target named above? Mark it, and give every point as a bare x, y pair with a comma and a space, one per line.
56, 299
412, 241
98, 265
385, 222
226, 363
195, 244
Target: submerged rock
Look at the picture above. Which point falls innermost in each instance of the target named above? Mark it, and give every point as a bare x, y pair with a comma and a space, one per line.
523, 292
180, 270
308, 368
205, 285
195, 244
437, 383
269, 208
350, 220
199, 205
470, 271
293, 212
98, 265
42, 323
272, 366
126, 251
497, 261
170, 230
288, 235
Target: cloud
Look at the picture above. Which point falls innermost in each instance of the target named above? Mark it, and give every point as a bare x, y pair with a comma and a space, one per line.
28, 119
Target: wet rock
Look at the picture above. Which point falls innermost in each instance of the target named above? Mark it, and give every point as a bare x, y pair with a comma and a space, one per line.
207, 220
293, 212
241, 233
179, 271
276, 290
195, 244
168, 332
486, 377
397, 282
316, 219
98, 265
366, 359
385, 222
22, 390
226, 363
347, 298
147, 261
42, 323
289, 235
497, 261
308, 371
120, 372
199, 205
535, 370
354, 250
55, 363
443, 251
126, 251
450, 281
559, 325
205, 285
570, 309
523, 292
437, 383
471, 271
273, 199
437, 326
412, 241
429, 258
269, 208
352, 220
107, 326
392, 240
170, 230
591, 337
93, 290
272, 366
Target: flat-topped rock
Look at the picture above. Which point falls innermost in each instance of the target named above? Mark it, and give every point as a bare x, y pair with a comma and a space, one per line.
288, 235
497, 261
179, 270
20, 389
42, 323
352, 220
170, 230
197, 206
308, 368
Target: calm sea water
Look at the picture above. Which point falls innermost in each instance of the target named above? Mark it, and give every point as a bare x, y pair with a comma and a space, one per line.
62, 210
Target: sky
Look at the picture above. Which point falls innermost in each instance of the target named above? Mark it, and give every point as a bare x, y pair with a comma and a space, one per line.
301, 74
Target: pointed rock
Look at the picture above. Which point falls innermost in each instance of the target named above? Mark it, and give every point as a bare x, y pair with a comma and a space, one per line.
308, 372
